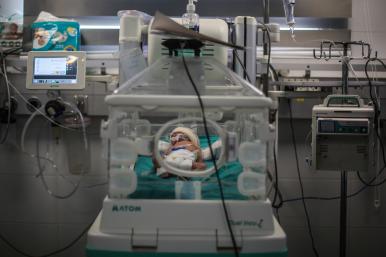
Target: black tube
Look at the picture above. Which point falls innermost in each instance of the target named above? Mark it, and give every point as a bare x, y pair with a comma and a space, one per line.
343, 214
345, 70
245, 45
264, 77
266, 11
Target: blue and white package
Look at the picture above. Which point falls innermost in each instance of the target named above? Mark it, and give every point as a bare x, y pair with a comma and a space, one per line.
54, 34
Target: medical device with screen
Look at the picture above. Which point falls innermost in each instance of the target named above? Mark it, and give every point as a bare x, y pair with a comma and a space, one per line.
56, 70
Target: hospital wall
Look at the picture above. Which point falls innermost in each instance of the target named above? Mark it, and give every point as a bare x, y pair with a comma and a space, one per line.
368, 23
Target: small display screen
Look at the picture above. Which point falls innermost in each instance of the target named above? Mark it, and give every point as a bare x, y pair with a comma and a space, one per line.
344, 126
55, 70
326, 126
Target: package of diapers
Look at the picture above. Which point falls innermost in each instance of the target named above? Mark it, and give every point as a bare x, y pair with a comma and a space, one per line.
51, 33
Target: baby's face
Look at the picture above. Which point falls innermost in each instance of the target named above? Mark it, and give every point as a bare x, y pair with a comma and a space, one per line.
178, 137
13, 28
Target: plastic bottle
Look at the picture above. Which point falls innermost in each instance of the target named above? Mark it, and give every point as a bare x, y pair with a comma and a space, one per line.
289, 10
191, 19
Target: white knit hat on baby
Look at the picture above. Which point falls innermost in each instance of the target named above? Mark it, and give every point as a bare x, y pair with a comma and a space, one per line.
189, 133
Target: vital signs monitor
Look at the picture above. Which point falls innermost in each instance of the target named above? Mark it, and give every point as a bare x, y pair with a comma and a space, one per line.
56, 70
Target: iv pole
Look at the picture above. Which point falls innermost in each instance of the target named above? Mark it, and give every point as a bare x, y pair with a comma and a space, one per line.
265, 76
345, 79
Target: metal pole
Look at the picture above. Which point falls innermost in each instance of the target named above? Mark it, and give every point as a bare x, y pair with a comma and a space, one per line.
266, 11
345, 61
343, 214
245, 45
343, 178
264, 77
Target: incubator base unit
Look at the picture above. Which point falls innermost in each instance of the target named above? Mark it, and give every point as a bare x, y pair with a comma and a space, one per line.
343, 135
184, 228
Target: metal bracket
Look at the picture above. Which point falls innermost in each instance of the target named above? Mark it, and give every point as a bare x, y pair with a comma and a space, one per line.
81, 102
326, 46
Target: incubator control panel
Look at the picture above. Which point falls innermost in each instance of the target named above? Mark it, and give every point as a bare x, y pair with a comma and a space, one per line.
56, 70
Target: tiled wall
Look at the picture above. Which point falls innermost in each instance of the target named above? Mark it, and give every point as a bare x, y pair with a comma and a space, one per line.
368, 23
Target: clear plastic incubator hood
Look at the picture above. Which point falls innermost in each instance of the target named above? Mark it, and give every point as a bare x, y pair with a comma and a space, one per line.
145, 161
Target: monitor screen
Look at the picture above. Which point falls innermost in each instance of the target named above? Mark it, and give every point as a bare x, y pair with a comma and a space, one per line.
55, 70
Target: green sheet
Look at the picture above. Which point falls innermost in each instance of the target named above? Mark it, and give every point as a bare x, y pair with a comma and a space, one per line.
151, 186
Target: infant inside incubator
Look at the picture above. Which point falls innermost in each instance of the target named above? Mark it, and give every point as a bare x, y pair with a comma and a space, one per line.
184, 151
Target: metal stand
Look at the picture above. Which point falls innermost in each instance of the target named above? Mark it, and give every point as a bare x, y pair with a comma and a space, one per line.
345, 77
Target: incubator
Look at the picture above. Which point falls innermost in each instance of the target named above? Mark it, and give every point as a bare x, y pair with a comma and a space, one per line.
173, 162
181, 211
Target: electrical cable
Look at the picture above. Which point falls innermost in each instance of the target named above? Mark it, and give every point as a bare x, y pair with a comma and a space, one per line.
39, 158
225, 209
381, 170
4, 73
269, 176
11, 245
269, 66
36, 109
376, 124
242, 65
11, 51
376, 105
369, 184
351, 68
2, 237
269, 49
267, 31
41, 112
337, 197
300, 180
41, 170
366, 184
274, 72
240, 61
278, 194
376, 111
